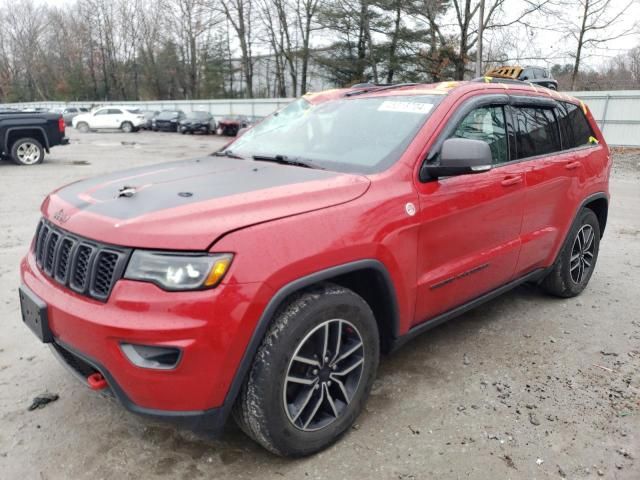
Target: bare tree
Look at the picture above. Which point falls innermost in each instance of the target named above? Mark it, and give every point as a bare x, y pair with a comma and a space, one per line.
596, 24
240, 15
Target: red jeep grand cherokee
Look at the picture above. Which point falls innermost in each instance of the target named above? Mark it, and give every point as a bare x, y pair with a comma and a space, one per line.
265, 281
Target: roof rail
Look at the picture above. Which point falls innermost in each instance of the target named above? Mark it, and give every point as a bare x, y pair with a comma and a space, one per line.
362, 88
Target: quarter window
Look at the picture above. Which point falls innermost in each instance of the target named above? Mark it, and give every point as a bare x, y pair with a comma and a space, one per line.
537, 130
574, 126
486, 124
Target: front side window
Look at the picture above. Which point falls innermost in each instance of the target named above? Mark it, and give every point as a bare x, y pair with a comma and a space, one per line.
537, 131
487, 124
361, 135
104, 111
574, 126
167, 115
114, 111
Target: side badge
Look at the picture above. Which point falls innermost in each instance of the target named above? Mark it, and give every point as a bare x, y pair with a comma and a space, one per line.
410, 208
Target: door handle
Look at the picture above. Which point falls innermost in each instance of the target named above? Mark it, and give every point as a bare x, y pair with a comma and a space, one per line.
573, 165
508, 181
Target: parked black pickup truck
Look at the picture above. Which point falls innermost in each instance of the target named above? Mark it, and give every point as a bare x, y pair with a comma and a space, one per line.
26, 136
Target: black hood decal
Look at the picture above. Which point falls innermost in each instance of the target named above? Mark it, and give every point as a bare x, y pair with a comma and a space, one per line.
133, 193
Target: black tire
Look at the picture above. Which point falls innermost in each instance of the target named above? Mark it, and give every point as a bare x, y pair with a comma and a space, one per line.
577, 260
27, 151
126, 127
263, 410
83, 127
183, 132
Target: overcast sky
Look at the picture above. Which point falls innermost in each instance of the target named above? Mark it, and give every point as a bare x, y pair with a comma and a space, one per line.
540, 45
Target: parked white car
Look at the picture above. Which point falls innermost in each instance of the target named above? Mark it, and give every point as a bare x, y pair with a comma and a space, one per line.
127, 119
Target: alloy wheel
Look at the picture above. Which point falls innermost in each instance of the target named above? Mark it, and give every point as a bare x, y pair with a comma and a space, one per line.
582, 254
28, 153
323, 375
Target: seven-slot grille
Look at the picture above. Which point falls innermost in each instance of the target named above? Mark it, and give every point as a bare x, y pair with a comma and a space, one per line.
85, 266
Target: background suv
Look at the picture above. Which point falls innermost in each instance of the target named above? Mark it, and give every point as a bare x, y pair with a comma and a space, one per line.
265, 281
112, 117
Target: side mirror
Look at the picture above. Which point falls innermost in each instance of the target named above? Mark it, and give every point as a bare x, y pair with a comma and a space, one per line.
459, 156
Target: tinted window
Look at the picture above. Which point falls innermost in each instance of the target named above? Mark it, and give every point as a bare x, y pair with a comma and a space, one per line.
115, 111
72, 110
574, 126
167, 115
486, 124
537, 131
526, 74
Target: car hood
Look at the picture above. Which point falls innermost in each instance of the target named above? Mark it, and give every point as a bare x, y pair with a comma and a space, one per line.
188, 205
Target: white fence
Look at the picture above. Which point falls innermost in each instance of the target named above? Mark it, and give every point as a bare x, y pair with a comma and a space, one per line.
617, 111
254, 107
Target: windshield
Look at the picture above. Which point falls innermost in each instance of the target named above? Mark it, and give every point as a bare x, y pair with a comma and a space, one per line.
361, 135
167, 115
198, 115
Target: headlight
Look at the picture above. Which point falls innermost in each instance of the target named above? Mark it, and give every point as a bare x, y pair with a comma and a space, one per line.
178, 271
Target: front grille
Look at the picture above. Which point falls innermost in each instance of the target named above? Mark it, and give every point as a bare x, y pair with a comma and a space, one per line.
87, 267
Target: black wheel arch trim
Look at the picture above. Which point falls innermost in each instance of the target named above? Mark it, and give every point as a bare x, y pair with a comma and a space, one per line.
588, 200
276, 300
34, 127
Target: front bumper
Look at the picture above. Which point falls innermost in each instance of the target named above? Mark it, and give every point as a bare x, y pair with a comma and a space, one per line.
211, 327
210, 421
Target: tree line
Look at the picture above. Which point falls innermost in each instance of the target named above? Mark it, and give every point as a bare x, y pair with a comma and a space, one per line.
190, 49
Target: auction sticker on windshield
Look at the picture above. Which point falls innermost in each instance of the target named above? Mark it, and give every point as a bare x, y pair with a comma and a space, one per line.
406, 107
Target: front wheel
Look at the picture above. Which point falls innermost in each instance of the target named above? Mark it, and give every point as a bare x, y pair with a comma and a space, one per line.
83, 127
27, 151
312, 374
575, 264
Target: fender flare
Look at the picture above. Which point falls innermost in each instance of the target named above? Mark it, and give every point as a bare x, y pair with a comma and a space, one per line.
587, 200
276, 300
35, 127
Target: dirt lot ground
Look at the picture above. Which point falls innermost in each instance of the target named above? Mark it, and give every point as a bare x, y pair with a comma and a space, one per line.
523, 387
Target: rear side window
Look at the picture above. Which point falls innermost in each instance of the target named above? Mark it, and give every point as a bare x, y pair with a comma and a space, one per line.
537, 131
115, 111
486, 124
574, 126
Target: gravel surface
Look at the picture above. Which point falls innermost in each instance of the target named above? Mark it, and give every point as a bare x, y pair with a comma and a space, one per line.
524, 387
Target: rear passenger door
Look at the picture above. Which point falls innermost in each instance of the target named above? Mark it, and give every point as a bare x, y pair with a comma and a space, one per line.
555, 166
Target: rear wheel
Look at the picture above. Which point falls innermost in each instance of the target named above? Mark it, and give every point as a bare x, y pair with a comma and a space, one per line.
577, 260
312, 374
126, 127
27, 151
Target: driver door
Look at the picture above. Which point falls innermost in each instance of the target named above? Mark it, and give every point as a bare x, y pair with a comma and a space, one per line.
100, 118
469, 238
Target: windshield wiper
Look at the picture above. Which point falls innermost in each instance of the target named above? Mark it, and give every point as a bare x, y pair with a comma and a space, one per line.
284, 160
227, 153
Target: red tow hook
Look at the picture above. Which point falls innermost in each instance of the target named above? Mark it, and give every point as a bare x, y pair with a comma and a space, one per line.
96, 381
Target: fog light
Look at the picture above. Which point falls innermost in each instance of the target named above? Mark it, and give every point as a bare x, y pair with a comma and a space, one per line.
157, 358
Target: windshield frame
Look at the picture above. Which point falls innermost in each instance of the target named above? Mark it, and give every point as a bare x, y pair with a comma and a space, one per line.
385, 162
